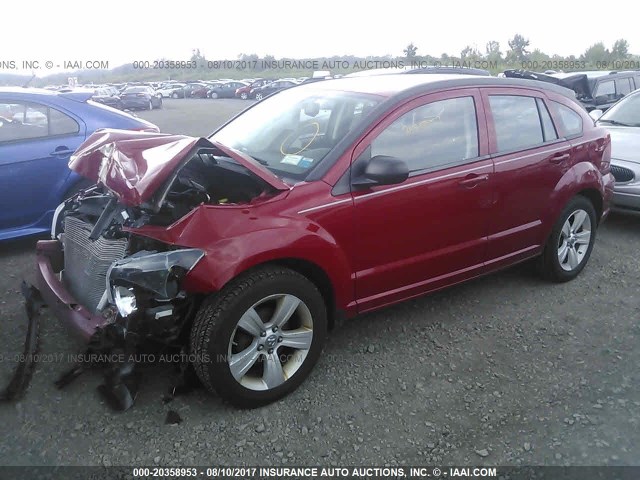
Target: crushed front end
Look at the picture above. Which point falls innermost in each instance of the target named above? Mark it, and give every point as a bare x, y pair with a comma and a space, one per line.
104, 276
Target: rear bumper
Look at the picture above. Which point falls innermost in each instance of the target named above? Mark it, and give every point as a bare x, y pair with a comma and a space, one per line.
136, 103
78, 319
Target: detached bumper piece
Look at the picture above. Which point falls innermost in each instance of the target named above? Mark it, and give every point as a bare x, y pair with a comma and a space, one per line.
23, 373
112, 349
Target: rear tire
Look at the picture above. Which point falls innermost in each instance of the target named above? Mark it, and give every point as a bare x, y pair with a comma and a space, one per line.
244, 96
259, 96
257, 339
569, 246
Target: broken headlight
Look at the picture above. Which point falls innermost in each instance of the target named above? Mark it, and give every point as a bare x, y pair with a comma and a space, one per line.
125, 300
157, 273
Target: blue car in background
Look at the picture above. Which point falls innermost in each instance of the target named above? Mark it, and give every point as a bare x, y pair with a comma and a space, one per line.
39, 130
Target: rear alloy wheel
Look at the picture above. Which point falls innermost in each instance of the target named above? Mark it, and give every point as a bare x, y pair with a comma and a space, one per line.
257, 340
259, 96
150, 105
244, 95
174, 95
213, 95
571, 242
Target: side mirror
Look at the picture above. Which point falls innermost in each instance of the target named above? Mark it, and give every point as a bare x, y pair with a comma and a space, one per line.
596, 114
383, 170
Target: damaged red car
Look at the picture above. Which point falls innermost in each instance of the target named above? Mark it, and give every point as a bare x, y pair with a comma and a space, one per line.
323, 201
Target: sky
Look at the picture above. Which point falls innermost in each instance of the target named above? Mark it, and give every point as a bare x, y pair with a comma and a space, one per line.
123, 31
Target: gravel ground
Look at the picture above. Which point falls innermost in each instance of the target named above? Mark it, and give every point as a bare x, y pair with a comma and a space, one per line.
506, 370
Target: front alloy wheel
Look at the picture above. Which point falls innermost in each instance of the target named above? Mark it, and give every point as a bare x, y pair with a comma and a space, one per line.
268, 348
256, 340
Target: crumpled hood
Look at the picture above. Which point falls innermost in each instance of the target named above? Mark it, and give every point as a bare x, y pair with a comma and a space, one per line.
625, 142
134, 164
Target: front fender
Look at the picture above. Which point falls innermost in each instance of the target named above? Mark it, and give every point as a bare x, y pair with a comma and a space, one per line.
237, 239
223, 262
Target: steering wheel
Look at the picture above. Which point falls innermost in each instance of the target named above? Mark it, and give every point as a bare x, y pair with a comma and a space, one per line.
296, 134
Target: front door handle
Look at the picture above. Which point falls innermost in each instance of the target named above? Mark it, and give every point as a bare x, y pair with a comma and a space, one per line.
473, 179
560, 158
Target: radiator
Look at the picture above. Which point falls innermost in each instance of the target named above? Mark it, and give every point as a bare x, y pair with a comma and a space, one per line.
86, 261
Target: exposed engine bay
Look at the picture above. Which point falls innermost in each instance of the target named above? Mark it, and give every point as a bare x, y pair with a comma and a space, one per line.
210, 179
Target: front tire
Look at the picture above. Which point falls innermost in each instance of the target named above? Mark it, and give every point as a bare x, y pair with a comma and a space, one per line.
569, 246
174, 95
150, 105
257, 339
244, 96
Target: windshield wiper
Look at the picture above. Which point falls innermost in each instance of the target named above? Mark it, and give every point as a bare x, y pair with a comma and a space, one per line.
615, 122
259, 160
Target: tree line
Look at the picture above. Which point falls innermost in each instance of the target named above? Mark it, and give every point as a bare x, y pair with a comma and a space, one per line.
519, 53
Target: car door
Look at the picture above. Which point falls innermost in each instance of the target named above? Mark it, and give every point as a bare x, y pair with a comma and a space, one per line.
430, 230
530, 158
35, 146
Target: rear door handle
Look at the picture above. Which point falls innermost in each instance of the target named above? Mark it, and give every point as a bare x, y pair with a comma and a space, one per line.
560, 158
473, 179
61, 152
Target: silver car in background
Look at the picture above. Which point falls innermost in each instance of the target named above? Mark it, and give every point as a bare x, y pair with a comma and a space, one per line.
623, 122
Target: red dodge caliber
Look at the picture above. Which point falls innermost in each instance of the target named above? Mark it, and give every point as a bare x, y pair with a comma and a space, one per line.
322, 201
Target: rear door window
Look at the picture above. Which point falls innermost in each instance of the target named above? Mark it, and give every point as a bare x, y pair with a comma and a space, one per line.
548, 129
623, 87
517, 122
25, 120
606, 89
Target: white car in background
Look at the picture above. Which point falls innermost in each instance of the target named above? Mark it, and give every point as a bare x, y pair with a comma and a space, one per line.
622, 121
167, 90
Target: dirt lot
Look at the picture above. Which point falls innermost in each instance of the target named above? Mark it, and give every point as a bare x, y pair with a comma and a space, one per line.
506, 370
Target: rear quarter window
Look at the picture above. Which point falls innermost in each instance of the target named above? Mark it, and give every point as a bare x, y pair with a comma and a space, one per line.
570, 121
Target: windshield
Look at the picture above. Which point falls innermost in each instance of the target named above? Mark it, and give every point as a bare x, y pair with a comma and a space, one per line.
626, 112
293, 131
